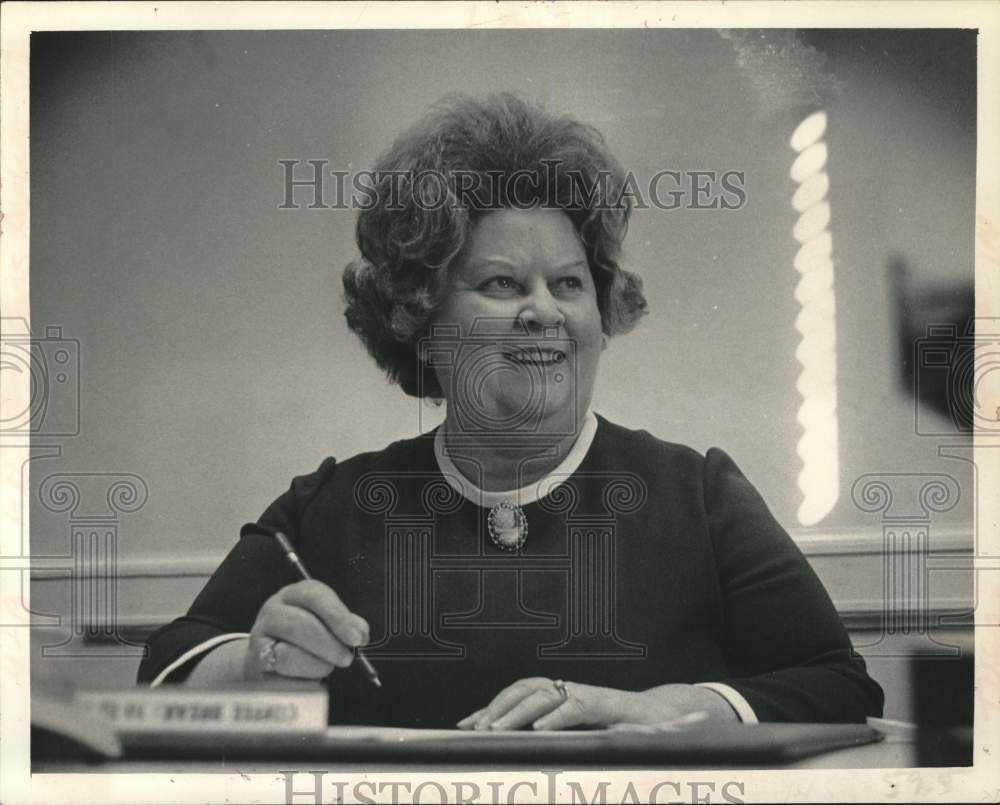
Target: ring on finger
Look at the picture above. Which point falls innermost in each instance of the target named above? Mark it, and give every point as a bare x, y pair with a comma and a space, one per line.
268, 657
561, 687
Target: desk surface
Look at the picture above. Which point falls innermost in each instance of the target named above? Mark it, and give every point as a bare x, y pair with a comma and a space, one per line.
896, 750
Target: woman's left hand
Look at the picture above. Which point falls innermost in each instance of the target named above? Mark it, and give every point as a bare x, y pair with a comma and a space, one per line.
538, 702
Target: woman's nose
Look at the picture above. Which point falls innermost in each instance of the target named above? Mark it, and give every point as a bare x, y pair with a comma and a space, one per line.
540, 309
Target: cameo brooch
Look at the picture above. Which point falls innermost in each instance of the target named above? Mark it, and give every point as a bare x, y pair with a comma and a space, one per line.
508, 526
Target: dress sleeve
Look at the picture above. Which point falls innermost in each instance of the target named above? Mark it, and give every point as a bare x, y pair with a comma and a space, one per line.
227, 607
788, 653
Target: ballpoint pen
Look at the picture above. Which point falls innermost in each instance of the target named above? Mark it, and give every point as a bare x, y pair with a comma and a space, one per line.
295, 562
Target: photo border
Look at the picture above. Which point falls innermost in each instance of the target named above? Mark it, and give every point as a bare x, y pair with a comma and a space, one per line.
978, 783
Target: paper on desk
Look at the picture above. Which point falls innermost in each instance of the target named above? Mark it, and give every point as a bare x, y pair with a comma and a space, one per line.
409, 734
383, 735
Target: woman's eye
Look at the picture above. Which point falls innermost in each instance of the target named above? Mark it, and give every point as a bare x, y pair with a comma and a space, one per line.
500, 284
571, 283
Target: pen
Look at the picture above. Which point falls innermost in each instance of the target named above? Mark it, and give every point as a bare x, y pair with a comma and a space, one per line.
295, 562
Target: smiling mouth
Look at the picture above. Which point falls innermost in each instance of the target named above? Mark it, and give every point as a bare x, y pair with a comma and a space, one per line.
536, 357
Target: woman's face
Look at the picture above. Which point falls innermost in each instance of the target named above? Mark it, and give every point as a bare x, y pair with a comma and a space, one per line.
517, 341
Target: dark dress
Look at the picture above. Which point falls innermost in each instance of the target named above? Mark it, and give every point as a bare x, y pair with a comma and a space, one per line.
650, 564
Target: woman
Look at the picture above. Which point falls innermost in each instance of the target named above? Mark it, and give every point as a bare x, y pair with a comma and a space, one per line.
528, 564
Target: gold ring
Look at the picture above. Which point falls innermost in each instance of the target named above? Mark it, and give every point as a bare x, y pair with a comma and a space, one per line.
268, 658
561, 687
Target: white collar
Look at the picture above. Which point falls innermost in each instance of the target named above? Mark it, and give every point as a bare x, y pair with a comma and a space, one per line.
526, 494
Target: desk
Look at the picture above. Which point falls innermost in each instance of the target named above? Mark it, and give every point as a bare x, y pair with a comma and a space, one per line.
898, 749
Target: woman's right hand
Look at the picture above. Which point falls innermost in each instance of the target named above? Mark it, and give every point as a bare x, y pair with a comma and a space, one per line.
303, 631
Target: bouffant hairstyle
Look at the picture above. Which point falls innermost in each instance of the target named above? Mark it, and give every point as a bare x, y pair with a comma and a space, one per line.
465, 158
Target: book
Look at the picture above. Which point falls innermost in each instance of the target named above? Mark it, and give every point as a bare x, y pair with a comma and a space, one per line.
236, 709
